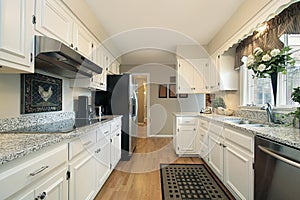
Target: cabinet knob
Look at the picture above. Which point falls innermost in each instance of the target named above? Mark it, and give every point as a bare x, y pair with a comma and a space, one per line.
71, 45
194, 129
76, 48
41, 196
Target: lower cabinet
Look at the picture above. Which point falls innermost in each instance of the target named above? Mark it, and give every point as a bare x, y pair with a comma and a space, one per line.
54, 187
186, 136
216, 154
231, 156
83, 179
75, 170
238, 165
43, 176
103, 160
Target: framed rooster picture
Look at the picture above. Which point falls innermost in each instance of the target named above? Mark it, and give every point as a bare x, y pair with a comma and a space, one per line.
40, 93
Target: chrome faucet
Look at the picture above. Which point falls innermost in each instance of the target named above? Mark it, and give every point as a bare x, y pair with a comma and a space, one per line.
269, 108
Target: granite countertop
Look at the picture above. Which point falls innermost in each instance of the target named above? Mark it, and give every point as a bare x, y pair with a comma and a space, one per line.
15, 145
278, 133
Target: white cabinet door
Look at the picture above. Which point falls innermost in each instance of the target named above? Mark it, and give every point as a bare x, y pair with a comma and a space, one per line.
238, 172
115, 148
55, 187
211, 77
215, 157
16, 38
54, 20
102, 156
83, 41
83, 177
186, 139
185, 82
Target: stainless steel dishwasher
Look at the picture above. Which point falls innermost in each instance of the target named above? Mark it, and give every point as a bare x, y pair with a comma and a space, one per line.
276, 171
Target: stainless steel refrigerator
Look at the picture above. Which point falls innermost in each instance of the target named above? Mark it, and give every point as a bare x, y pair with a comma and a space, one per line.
121, 99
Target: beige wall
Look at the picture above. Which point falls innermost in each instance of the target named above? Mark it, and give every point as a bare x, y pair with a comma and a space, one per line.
161, 109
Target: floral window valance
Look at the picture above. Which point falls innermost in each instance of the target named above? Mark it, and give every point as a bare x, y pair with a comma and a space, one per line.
287, 22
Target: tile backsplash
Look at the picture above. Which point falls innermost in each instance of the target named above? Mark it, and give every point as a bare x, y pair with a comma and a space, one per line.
261, 115
25, 121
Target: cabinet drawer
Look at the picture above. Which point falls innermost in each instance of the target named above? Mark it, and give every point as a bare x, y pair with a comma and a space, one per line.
187, 121
116, 126
203, 124
240, 139
83, 143
32, 170
103, 131
218, 129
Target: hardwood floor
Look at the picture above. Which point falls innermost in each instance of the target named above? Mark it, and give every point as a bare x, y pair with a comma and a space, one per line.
139, 178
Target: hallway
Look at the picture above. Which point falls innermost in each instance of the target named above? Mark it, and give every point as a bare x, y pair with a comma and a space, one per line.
139, 178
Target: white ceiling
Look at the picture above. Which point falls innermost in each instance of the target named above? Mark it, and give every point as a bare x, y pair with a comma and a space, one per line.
135, 25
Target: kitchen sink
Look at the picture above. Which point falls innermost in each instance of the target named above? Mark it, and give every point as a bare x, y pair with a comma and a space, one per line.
246, 123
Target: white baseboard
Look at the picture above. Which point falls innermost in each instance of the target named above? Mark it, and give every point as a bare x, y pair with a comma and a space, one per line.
163, 136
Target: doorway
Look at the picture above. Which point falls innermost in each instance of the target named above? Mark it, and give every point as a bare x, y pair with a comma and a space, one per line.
143, 93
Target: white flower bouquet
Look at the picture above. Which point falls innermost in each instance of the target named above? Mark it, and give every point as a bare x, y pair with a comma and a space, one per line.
273, 61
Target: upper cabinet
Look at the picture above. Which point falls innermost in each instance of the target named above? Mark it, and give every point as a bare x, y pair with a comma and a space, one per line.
54, 20
16, 37
228, 76
191, 75
84, 42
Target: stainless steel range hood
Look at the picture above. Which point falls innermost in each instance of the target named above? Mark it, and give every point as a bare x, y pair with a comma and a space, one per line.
55, 57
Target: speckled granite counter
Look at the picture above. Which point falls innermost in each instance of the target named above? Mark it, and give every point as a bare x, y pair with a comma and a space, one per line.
285, 135
16, 145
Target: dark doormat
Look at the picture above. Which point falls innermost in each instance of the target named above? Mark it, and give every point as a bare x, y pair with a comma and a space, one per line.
189, 181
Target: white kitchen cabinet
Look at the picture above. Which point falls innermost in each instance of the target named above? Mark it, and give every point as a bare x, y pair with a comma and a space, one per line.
16, 38
55, 187
83, 179
115, 154
114, 67
191, 76
83, 40
45, 172
102, 155
82, 166
203, 138
228, 76
186, 136
215, 157
238, 164
212, 81
54, 20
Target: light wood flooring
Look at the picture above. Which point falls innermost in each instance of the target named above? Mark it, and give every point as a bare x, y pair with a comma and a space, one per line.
139, 178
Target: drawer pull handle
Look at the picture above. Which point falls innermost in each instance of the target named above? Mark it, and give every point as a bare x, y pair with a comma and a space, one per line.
118, 134
106, 132
38, 171
87, 143
98, 150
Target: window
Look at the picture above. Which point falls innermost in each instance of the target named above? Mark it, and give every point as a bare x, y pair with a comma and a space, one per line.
259, 91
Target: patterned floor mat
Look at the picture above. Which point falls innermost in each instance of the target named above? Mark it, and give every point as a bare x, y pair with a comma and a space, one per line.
189, 182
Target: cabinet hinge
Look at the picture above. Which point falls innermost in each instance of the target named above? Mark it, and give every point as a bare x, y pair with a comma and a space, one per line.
253, 166
68, 174
110, 165
92, 45
110, 140
31, 57
178, 130
33, 19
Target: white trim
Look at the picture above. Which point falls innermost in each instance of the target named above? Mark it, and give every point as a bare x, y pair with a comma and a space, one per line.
162, 136
147, 75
